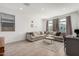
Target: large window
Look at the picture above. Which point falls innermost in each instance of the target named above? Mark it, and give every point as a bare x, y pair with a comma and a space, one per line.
62, 25
50, 25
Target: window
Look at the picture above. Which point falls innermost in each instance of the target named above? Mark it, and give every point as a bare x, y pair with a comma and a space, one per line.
50, 25
7, 22
62, 25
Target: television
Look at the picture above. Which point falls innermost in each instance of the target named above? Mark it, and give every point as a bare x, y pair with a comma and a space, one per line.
77, 32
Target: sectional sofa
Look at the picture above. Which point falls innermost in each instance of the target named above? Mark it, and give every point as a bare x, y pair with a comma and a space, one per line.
33, 36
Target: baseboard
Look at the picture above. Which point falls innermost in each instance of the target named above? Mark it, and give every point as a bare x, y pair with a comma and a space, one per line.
15, 42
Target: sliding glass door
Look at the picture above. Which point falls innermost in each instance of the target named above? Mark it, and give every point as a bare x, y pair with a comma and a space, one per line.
50, 26
62, 25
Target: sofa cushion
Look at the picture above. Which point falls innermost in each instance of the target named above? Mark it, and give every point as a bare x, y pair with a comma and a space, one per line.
58, 33
36, 33
41, 35
54, 33
58, 37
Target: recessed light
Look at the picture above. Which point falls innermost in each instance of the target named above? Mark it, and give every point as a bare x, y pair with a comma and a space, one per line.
67, 9
42, 8
21, 8
71, 9
64, 9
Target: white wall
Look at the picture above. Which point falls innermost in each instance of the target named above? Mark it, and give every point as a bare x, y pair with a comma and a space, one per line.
44, 21
37, 22
23, 22
22, 25
75, 21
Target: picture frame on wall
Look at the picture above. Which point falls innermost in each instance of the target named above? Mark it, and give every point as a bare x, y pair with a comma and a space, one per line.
32, 25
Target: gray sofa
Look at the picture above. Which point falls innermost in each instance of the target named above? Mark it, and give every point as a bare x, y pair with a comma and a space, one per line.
57, 37
33, 36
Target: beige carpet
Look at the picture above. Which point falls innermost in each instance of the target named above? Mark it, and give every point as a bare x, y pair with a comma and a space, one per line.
55, 46
37, 48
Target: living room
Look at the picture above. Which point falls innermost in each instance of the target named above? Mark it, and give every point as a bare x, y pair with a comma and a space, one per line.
37, 22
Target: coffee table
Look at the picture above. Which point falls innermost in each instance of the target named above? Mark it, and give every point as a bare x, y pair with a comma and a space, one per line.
50, 38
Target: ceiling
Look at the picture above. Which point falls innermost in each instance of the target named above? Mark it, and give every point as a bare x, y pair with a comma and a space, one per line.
44, 9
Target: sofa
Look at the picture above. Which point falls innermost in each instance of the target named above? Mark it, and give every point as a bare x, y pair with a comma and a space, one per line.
34, 36
57, 35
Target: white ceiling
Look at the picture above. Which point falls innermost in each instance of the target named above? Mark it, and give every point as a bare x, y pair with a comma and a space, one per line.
45, 9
